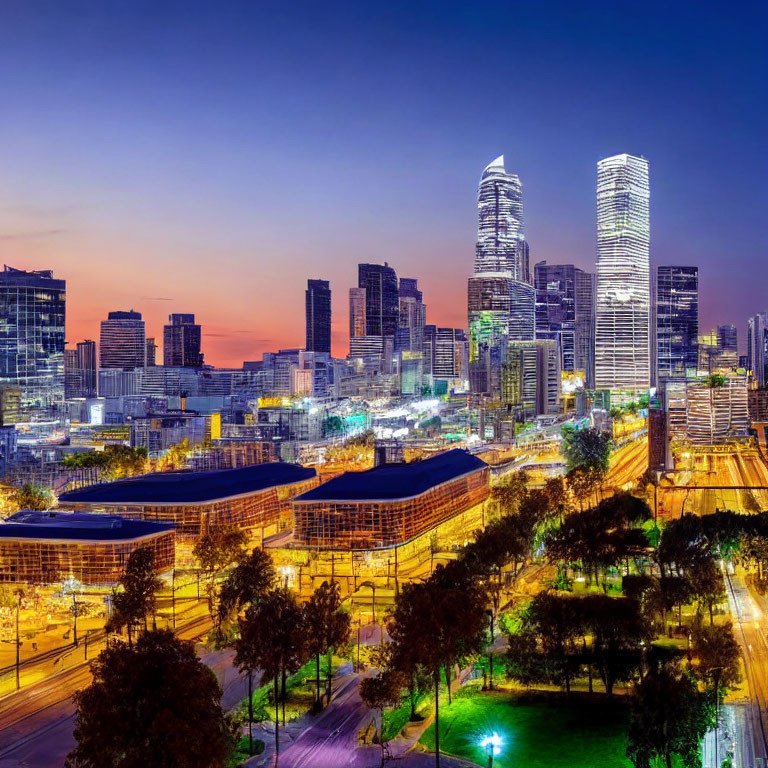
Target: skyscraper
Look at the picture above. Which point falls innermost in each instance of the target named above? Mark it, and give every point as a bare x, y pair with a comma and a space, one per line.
413, 315
150, 359
356, 312
677, 321
382, 299
123, 341
80, 370
622, 311
584, 343
501, 243
182, 338
500, 310
317, 299
531, 378
32, 310
757, 347
565, 311
728, 346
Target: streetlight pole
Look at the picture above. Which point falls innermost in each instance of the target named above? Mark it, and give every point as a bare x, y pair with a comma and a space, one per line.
18, 643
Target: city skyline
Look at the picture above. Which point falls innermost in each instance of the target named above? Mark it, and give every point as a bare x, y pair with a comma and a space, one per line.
161, 189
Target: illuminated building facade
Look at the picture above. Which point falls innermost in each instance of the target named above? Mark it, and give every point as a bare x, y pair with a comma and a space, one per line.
500, 310
123, 341
32, 308
80, 370
391, 504
317, 306
757, 347
48, 547
356, 312
622, 311
413, 316
530, 379
677, 321
716, 413
501, 245
565, 313
255, 499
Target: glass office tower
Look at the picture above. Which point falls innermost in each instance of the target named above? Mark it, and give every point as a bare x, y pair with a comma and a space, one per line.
622, 311
32, 318
677, 321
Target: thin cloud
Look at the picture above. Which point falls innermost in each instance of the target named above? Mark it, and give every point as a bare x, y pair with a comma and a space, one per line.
156, 298
33, 234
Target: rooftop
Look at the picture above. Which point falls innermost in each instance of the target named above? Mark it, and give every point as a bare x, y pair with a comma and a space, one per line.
396, 481
78, 526
191, 487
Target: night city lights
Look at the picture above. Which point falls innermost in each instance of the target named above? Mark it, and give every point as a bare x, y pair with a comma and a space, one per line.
383, 384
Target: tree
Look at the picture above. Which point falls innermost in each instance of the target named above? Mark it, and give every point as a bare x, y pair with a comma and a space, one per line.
716, 661
602, 536
327, 627
669, 717
586, 448
155, 704
683, 546
131, 606
507, 495
31, 496
554, 622
617, 630
583, 483
708, 586
439, 622
380, 692
216, 550
557, 496
271, 639
124, 461
247, 583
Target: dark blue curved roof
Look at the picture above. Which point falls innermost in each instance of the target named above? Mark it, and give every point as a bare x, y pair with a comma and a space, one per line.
77, 526
396, 481
191, 487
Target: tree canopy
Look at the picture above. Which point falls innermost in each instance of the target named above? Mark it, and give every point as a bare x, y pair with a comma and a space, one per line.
155, 704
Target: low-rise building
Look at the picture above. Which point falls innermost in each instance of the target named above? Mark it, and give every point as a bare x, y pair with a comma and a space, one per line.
47, 547
255, 499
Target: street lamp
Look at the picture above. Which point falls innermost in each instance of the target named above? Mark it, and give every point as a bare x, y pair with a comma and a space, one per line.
491, 743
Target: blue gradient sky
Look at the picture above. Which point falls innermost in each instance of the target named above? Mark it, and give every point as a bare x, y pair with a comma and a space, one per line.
209, 157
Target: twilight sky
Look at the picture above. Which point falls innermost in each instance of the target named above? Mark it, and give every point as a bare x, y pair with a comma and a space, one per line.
209, 157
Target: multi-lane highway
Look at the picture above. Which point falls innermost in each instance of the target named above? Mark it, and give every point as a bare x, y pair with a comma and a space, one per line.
750, 627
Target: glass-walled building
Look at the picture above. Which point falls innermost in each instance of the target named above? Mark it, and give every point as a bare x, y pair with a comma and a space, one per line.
677, 321
622, 312
32, 319
501, 243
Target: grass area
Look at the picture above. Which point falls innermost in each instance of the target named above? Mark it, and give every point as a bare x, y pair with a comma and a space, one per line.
537, 731
300, 693
397, 718
241, 754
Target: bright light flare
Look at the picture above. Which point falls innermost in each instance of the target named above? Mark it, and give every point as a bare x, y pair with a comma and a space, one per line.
491, 743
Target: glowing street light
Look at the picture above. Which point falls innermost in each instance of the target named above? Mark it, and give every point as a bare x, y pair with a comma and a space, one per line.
491, 743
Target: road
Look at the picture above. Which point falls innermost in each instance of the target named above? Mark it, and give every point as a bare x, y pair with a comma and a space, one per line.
750, 626
36, 723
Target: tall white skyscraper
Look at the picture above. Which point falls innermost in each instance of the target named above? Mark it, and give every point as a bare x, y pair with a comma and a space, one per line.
501, 245
622, 308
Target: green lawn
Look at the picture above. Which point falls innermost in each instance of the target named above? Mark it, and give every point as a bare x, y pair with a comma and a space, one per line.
538, 732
